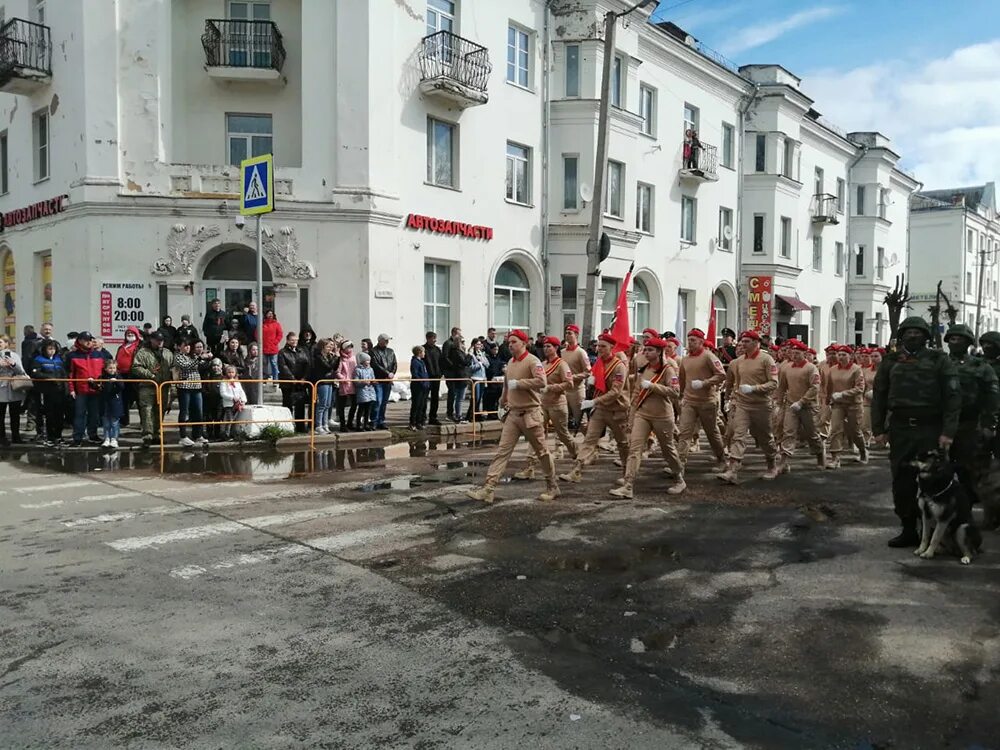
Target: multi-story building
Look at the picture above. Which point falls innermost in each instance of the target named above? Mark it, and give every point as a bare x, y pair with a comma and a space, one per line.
955, 240
433, 167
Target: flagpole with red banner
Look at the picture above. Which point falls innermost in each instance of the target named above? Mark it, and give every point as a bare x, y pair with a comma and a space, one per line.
710, 337
620, 329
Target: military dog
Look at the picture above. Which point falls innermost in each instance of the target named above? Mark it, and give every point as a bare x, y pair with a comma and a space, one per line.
946, 509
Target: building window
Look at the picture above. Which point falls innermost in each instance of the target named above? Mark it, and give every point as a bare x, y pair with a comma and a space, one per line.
726, 228
817, 253
647, 108
616, 81
571, 185
859, 261
569, 292
572, 70
878, 329
440, 17
248, 136
40, 133
721, 314
437, 299
834, 324
883, 203
609, 304
644, 208
690, 118
689, 218
968, 282
613, 204
641, 307
880, 263
441, 153
511, 299
818, 179
518, 173
841, 192
4, 169
37, 13
518, 48
758, 233
859, 327
786, 237
728, 140
760, 163
860, 207
789, 156
839, 259
970, 240
682, 312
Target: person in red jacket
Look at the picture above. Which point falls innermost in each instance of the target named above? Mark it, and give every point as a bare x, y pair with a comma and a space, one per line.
84, 366
271, 341
123, 357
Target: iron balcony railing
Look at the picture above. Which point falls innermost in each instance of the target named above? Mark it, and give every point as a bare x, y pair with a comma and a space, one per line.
235, 43
447, 55
701, 157
824, 207
25, 45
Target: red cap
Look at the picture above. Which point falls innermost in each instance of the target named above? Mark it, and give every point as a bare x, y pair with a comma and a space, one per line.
673, 341
864, 350
552, 340
798, 344
697, 333
832, 348
750, 335
573, 327
657, 343
881, 350
652, 332
518, 334
845, 348
607, 337
810, 350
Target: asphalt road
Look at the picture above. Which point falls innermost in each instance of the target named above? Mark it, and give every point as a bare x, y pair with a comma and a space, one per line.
372, 606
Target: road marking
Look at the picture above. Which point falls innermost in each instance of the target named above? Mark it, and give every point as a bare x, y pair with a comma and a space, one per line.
59, 486
123, 516
131, 544
84, 499
251, 558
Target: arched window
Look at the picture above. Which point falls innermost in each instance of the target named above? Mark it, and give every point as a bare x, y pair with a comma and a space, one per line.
640, 306
235, 264
511, 299
835, 323
721, 315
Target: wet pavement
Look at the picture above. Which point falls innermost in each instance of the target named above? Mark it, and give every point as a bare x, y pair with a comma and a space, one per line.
357, 599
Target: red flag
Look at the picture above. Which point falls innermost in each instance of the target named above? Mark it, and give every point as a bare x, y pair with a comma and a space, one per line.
710, 336
619, 326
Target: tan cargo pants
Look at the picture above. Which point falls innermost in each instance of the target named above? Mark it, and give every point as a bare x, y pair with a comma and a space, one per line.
642, 428
557, 415
521, 422
758, 423
703, 414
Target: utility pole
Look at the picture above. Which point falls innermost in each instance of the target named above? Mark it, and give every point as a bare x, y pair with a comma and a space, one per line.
979, 292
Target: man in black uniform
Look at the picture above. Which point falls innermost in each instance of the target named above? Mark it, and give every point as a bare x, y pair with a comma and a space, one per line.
990, 341
727, 352
432, 359
915, 405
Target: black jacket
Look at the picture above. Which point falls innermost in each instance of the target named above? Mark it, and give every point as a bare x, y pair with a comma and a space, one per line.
293, 364
213, 326
456, 362
322, 368
383, 362
187, 333
432, 359
235, 359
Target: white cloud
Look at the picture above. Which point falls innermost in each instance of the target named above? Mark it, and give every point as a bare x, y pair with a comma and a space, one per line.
942, 115
755, 36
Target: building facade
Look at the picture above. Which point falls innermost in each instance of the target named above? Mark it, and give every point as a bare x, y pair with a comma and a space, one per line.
434, 166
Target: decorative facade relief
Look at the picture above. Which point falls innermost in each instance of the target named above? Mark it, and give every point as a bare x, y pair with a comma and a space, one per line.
183, 248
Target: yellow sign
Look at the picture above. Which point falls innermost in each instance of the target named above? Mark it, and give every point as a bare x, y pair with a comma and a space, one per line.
9, 296
258, 185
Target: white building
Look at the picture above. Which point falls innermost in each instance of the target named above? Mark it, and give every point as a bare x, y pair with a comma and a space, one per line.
411, 145
955, 240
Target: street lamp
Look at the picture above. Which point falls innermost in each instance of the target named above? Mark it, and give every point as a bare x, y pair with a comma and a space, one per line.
600, 170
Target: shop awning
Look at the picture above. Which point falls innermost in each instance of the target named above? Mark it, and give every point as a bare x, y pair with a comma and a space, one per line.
793, 302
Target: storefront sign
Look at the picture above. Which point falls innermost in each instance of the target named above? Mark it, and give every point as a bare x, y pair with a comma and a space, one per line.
760, 302
124, 304
48, 207
446, 226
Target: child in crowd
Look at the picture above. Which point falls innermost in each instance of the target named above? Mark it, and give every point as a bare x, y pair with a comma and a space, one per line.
419, 389
212, 400
363, 377
47, 369
233, 400
111, 393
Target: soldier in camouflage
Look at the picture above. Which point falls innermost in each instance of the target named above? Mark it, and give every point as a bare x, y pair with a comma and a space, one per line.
990, 342
915, 406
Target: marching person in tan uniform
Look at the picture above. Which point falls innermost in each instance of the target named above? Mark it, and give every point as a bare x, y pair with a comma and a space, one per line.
824, 397
558, 382
652, 412
868, 370
798, 395
783, 358
753, 378
524, 379
846, 386
610, 407
701, 374
579, 364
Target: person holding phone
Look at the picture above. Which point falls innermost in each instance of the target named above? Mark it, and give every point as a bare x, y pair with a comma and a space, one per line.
10, 398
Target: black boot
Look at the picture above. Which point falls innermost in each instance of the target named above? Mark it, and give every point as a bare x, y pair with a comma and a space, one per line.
908, 537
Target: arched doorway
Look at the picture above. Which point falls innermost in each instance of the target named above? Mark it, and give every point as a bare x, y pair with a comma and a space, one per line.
9, 295
836, 316
511, 299
231, 276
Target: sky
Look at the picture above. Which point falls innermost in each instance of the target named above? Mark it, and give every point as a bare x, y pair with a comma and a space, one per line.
924, 73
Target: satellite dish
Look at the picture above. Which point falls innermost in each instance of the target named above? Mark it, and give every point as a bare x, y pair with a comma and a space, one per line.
727, 232
586, 192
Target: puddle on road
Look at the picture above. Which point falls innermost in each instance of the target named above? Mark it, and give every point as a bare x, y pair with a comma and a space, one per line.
614, 561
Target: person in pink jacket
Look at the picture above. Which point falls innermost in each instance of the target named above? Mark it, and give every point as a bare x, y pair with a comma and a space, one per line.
271, 341
346, 388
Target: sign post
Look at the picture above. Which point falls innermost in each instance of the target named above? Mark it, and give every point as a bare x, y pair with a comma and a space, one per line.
258, 198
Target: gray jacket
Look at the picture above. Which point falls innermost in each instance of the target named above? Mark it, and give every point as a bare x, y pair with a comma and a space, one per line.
8, 394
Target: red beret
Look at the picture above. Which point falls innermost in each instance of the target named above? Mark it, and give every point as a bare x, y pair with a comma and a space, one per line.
801, 345
810, 350
832, 348
845, 348
656, 342
881, 350
750, 335
697, 333
573, 327
652, 332
608, 338
518, 334
553, 340
673, 341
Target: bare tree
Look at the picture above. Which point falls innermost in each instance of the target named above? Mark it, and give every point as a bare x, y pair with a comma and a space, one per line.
935, 310
897, 300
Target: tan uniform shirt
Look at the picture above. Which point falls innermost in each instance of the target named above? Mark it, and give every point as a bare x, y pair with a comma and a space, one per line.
760, 373
824, 372
656, 402
869, 373
558, 380
847, 380
616, 397
705, 367
798, 383
579, 363
530, 377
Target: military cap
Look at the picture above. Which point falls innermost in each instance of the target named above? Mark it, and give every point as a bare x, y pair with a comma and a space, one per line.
915, 321
960, 329
990, 337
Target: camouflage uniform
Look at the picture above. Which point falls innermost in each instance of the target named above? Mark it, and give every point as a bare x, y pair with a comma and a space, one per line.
916, 399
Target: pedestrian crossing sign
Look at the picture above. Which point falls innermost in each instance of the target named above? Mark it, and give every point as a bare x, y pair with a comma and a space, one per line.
258, 185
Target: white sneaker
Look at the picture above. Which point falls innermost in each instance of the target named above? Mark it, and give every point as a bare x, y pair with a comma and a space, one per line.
203, 440
106, 443
186, 442
114, 443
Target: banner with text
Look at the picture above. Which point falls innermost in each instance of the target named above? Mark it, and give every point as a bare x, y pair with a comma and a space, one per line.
760, 303
124, 304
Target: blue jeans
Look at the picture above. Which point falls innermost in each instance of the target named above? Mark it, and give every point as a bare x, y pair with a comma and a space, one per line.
86, 412
111, 428
382, 390
190, 407
456, 398
271, 363
324, 400
478, 389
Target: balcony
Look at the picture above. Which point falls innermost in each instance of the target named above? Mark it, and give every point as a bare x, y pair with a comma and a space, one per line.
239, 50
824, 209
454, 69
25, 57
701, 162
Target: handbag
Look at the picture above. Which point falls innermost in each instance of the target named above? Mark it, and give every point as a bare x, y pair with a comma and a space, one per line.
21, 384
